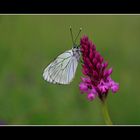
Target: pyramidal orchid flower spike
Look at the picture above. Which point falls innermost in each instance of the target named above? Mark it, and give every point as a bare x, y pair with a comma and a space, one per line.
97, 81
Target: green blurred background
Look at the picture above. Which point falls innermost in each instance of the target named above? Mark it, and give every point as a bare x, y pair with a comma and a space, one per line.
28, 43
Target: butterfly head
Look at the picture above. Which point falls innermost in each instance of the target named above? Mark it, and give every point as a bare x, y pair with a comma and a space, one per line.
76, 52
76, 48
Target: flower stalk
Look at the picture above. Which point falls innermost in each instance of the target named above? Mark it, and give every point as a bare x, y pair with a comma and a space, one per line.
97, 81
106, 113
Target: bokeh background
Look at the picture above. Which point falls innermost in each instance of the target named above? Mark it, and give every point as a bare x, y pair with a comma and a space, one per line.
28, 43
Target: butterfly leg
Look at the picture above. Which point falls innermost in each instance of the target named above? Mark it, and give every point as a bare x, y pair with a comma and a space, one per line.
82, 62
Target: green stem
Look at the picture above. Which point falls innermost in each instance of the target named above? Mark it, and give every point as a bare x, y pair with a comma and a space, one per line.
105, 113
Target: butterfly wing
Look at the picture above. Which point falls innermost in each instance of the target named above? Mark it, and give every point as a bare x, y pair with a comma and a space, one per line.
62, 69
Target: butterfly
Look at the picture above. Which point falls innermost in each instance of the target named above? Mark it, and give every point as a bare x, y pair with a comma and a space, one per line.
62, 70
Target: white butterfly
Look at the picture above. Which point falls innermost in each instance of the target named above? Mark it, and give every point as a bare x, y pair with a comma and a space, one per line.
62, 70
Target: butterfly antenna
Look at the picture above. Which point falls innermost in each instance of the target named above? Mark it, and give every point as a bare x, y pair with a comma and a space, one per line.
71, 35
77, 35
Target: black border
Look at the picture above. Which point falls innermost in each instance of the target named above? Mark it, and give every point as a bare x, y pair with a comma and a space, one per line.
70, 7
67, 7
